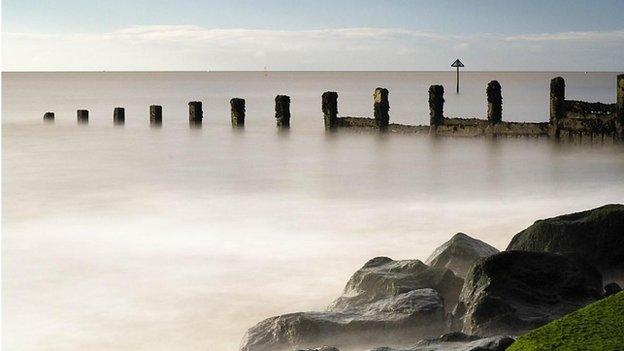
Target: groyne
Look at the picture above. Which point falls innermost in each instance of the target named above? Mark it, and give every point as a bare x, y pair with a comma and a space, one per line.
569, 121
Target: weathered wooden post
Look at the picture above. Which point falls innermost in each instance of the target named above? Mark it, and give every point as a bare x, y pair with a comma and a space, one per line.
620, 105
381, 108
83, 116
155, 115
557, 105
494, 102
282, 111
48, 117
237, 109
329, 105
119, 116
196, 114
436, 107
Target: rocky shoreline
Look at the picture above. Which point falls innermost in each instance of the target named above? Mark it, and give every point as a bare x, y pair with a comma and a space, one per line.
467, 295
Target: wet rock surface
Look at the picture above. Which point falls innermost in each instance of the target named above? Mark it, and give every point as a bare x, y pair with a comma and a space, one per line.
612, 289
382, 277
459, 253
596, 235
458, 342
515, 291
418, 313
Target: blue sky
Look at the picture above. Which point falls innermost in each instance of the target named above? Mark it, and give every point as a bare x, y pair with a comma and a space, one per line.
312, 35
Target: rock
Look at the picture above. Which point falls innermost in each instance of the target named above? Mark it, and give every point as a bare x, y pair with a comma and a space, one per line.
459, 253
389, 321
612, 289
596, 235
514, 291
324, 348
458, 342
383, 277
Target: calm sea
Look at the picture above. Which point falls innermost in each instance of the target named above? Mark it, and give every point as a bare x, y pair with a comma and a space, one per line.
132, 238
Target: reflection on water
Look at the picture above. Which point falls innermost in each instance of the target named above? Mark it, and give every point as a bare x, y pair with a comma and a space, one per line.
135, 238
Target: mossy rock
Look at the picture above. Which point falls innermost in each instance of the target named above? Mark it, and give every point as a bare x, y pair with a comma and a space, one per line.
599, 326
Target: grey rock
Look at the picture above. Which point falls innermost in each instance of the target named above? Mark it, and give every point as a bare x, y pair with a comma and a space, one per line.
515, 291
382, 277
389, 321
596, 235
459, 253
612, 289
458, 342
324, 348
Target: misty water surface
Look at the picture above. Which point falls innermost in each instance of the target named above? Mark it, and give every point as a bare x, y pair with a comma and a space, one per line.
131, 238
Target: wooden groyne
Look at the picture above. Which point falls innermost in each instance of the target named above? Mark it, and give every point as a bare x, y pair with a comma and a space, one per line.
570, 120
576, 121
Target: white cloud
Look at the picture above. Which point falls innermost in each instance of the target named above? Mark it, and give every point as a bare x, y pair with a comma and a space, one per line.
197, 48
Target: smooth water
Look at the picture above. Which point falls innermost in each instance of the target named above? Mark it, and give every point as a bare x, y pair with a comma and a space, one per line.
132, 238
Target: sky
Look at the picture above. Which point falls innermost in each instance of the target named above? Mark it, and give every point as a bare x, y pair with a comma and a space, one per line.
492, 35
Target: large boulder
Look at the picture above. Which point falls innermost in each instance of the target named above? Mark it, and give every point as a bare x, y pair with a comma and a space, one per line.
383, 277
596, 235
389, 321
458, 342
459, 253
515, 291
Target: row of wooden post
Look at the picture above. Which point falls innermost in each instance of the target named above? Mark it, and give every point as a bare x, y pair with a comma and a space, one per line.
329, 106
196, 113
381, 106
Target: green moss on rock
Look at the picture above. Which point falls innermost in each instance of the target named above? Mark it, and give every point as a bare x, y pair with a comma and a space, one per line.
599, 326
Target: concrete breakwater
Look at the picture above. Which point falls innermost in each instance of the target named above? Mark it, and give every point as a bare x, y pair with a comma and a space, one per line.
575, 121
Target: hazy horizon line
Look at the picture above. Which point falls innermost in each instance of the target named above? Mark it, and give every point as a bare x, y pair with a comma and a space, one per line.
313, 71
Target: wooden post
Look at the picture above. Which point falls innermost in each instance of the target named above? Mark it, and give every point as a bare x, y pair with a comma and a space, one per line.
155, 115
381, 107
237, 110
48, 117
436, 107
83, 116
196, 114
620, 105
119, 116
557, 105
329, 106
494, 102
282, 111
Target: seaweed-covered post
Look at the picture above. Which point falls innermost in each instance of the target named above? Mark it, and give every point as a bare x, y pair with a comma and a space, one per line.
557, 99
329, 105
381, 106
557, 104
620, 104
282, 111
237, 107
155, 115
48, 117
119, 116
82, 116
436, 107
494, 102
196, 114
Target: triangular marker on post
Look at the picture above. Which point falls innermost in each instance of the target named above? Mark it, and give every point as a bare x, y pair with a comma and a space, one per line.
457, 64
